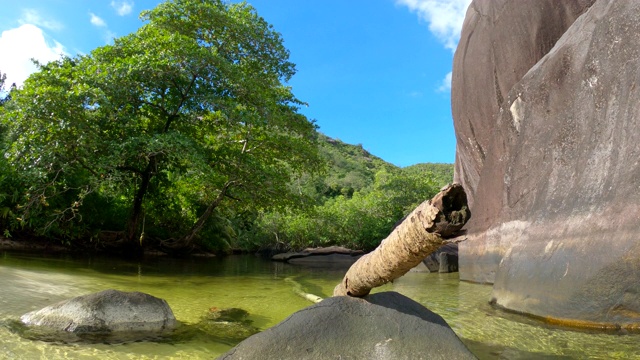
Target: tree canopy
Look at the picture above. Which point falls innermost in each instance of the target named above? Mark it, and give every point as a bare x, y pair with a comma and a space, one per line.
164, 125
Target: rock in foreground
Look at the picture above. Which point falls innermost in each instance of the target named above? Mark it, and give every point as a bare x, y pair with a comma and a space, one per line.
381, 326
105, 313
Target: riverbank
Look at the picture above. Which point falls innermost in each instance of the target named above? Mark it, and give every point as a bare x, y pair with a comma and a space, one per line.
45, 246
32, 245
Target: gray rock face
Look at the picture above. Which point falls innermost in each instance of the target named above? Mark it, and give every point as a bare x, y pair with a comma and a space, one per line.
500, 41
444, 260
557, 205
107, 311
384, 326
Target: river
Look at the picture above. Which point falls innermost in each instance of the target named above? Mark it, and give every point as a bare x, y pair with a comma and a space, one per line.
192, 286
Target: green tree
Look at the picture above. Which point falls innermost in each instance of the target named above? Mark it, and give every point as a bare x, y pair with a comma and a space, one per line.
186, 112
441, 174
10, 182
360, 220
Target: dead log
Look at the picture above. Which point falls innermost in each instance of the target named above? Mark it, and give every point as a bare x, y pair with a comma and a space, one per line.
420, 234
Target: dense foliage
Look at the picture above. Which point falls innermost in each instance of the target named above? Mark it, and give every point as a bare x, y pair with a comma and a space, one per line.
10, 185
355, 203
158, 129
183, 135
358, 202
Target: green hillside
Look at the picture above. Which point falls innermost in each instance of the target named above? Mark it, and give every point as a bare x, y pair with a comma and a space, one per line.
356, 202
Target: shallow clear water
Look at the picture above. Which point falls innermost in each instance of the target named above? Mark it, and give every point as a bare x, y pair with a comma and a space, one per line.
193, 286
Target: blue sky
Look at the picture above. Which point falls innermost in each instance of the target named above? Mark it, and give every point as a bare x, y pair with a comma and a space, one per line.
374, 72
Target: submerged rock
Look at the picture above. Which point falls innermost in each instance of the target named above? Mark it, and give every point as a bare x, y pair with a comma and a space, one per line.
227, 325
106, 314
384, 325
227, 315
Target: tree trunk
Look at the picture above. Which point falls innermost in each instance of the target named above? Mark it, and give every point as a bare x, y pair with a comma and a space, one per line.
187, 239
419, 235
133, 242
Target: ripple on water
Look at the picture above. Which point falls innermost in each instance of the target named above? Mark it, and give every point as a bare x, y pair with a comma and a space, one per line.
494, 334
191, 287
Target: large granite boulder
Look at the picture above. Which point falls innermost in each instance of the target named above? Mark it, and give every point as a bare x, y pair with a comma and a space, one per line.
382, 326
557, 205
500, 41
105, 314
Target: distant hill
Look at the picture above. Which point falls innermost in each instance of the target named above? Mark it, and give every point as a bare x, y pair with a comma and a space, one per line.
357, 200
351, 168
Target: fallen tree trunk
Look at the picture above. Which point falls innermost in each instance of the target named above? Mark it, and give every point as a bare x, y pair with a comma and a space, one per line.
420, 234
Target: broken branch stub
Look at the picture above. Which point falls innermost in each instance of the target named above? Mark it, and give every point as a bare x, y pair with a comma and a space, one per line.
419, 235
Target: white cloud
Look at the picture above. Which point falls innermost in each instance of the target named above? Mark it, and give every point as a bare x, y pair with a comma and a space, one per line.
97, 21
446, 83
445, 17
33, 17
122, 7
17, 64
109, 36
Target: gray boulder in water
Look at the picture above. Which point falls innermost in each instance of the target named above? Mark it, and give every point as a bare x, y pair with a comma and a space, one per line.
384, 325
105, 312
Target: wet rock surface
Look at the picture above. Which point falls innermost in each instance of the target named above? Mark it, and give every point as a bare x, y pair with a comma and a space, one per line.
109, 315
382, 326
335, 256
556, 201
444, 260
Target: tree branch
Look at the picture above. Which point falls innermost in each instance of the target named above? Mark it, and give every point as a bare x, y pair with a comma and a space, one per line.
418, 236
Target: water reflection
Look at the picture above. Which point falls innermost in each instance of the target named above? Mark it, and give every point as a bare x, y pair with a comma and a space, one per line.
192, 286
